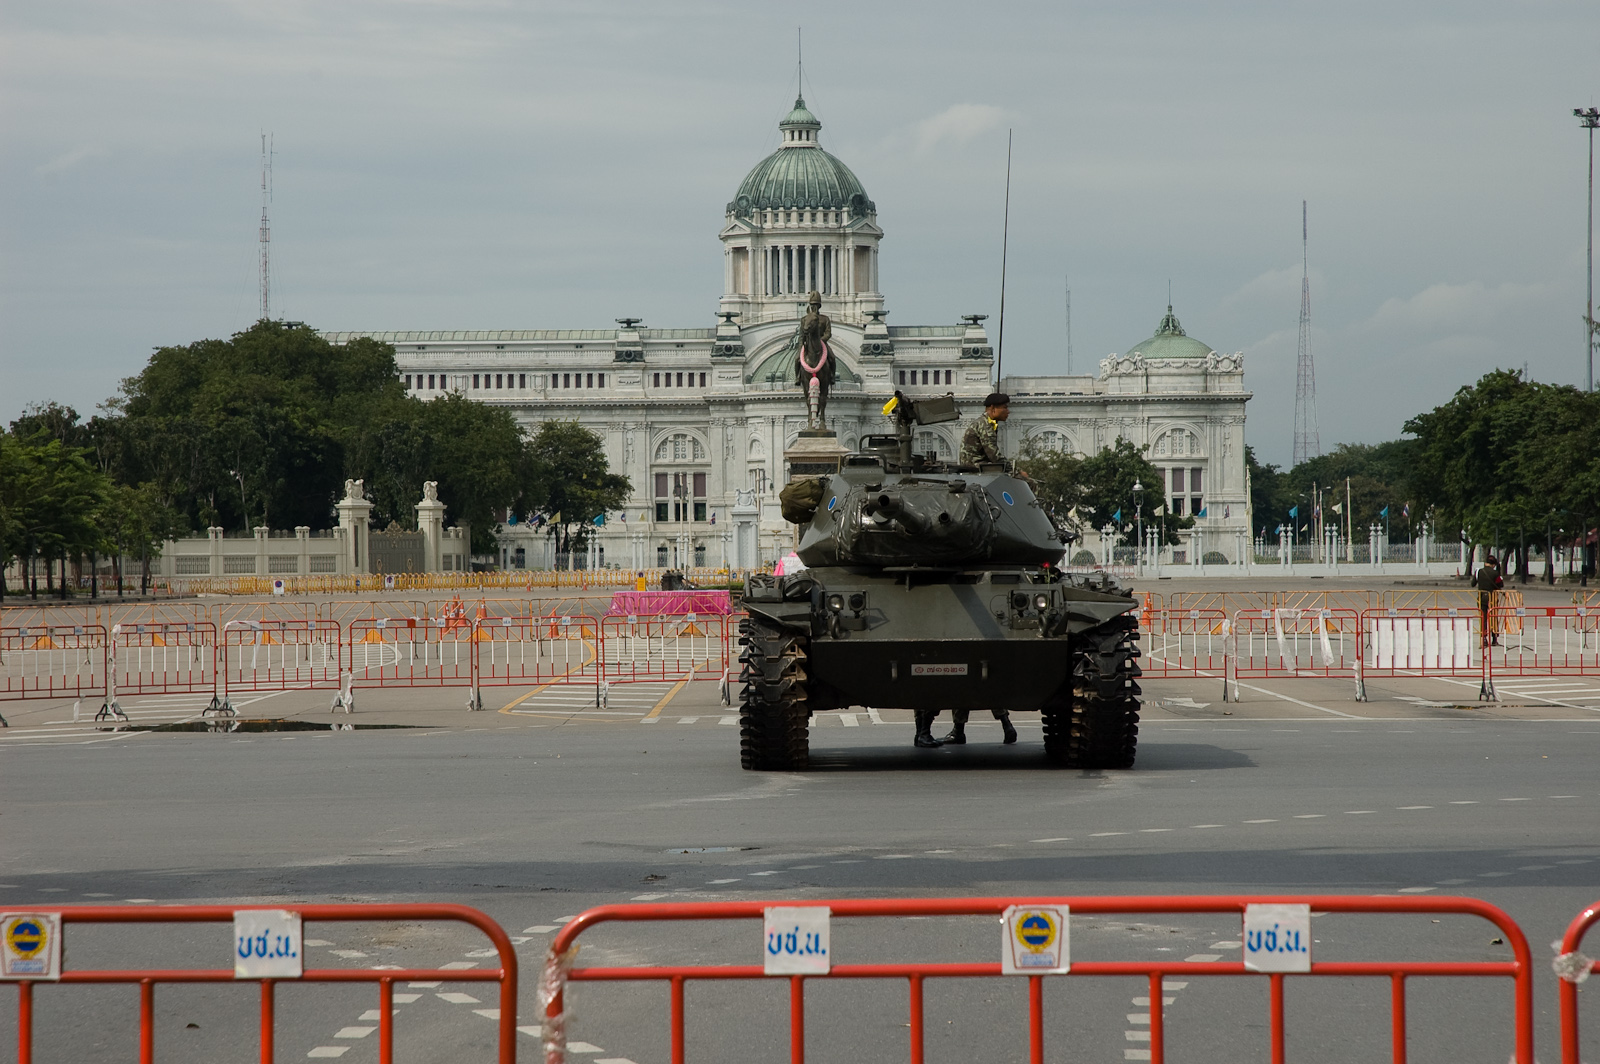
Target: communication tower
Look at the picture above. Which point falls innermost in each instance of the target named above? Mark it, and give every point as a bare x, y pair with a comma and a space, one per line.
1307, 442
266, 229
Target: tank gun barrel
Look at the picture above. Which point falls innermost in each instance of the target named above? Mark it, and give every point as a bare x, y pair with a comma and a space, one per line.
890, 507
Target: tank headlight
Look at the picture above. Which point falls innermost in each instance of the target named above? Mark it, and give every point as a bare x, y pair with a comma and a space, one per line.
858, 601
836, 603
1041, 602
1019, 600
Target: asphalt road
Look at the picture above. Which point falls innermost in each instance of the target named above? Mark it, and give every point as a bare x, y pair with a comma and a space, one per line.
552, 806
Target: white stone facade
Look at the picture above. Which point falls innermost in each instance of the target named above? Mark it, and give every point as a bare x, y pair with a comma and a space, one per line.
698, 418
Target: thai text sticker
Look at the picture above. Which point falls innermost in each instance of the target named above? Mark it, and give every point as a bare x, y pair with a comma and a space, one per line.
1277, 938
267, 944
1034, 940
795, 940
30, 946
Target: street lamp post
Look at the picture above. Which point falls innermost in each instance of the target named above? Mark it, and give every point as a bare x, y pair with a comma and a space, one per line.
1590, 120
1138, 522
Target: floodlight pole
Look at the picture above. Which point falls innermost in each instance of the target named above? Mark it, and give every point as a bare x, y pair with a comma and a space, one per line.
1590, 119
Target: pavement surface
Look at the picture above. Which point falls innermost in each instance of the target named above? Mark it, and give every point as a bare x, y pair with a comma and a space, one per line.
547, 803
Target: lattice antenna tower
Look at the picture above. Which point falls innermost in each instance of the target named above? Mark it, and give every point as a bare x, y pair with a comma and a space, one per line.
1069, 325
266, 228
1307, 442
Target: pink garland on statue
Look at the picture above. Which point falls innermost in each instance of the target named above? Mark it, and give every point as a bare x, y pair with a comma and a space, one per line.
808, 367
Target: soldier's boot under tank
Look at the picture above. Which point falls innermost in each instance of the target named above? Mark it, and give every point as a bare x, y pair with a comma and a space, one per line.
925, 729
958, 728
1011, 733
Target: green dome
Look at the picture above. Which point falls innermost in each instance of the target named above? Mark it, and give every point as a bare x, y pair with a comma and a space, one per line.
800, 175
1170, 341
778, 367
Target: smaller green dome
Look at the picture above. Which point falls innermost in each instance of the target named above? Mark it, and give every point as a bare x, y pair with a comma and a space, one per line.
800, 117
1170, 341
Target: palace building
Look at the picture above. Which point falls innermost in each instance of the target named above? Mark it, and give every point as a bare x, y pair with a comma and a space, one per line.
698, 419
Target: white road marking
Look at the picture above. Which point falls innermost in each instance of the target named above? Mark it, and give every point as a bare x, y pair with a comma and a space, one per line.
872, 715
687, 720
720, 882
1152, 831
1227, 945
1516, 799
650, 720
539, 929
732, 719
317, 942
1165, 1000
849, 720
1062, 839
348, 954
895, 856
329, 1051
457, 998
483, 953
583, 1047
1309, 816
488, 1014
1416, 890
1413, 807
1104, 834
1463, 803
534, 1030
458, 966
1204, 958
353, 1032
1136, 1036
647, 897
1267, 820
1208, 825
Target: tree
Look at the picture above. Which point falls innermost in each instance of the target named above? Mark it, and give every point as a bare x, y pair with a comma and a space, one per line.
568, 475
1107, 481
50, 502
1057, 476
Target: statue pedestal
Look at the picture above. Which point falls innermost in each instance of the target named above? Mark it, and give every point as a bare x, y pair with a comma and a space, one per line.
817, 452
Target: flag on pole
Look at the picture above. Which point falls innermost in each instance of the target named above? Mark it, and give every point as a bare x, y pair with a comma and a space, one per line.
713, 517
599, 519
1160, 511
1117, 517
1294, 512
1338, 507
1406, 511
1383, 512
1227, 512
1202, 512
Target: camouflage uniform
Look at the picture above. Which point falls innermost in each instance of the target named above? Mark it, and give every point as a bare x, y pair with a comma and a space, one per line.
981, 443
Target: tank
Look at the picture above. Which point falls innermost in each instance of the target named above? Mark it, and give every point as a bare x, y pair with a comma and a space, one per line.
933, 587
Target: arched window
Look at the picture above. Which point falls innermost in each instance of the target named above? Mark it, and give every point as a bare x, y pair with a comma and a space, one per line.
1177, 443
932, 443
680, 448
1051, 440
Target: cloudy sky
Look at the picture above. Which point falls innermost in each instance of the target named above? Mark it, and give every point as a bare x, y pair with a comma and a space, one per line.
477, 165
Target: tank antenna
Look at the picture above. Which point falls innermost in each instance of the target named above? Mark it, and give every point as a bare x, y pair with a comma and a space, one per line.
1005, 237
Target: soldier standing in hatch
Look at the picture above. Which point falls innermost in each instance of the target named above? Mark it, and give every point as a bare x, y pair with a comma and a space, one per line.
981, 443
981, 446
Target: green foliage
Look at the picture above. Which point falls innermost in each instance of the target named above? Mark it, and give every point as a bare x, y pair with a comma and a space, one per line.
264, 428
1510, 460
51, 498
1106, 483
568, 475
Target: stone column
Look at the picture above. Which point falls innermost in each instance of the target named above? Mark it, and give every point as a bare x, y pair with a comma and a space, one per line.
262, 565
302, 546
430, 522
214, 565
354, 512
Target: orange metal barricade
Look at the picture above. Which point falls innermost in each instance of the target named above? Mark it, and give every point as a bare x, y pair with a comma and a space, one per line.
1184, 643
513, 651
165, 657
53, 661
1286, 642
664, 648
271, 655
147, 980
410, 652
1573, 968
1519, 969
1545, 641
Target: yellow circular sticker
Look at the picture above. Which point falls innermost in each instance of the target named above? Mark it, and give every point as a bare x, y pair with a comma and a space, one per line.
1036, 931
26, 937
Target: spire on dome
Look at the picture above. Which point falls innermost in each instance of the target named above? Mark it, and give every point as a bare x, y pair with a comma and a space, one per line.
1169, 325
